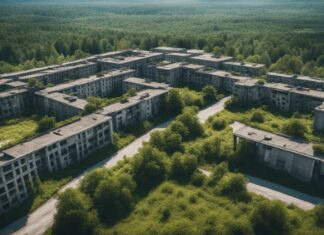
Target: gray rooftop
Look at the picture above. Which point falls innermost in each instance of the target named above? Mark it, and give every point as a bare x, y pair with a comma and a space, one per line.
136, 55
66, 99
143, 82
12, 92
54, 136
277, 141
212, 58
133, 100
170, 66
245, 64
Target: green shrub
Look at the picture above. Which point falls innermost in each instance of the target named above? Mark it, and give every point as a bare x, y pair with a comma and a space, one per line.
218, 124
295, 127
318, 149
234, 187
270, 218
198, 179
257, 117
319, 215
46, 123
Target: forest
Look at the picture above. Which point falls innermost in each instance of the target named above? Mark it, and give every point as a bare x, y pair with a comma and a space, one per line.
287, 36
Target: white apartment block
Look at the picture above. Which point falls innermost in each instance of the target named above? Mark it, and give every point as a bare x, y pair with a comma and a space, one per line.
49, 152
210, 60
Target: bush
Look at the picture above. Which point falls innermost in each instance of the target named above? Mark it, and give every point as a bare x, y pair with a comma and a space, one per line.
218, 124
261, 81
46, 123
174, 102
190, 120
72, 215
183, 166
91, 181
198, 179
295, 127
179, 227
210, 93
234, 187
89, 108
219, 171
318, 148
270, 218
319, 215
149, 167
238, 227
257, 117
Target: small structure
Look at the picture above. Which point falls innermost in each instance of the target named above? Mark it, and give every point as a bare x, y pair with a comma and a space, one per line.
283, 153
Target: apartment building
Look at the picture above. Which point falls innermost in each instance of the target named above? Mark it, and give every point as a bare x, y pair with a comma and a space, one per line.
167, 50
13, 103
101, 85
133, 59
210, 60
283, 153
251, 69
142, 84
144, 105
282, 96
178, 57
60, 105
49, 152
295, 80
58, 74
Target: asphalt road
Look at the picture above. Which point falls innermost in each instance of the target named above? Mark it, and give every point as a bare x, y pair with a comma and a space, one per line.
38, 221
41, 219
274, 191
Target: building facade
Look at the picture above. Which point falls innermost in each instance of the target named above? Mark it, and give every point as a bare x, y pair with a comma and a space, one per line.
50, 152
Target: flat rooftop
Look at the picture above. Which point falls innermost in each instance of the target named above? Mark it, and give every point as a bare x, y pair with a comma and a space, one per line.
54, 136
277, 141
280, 75
12, 92
309, 92
143, 82
212, 58
195, 51
175, 49
133, 100
170, 66
135, 55
66, 99
278, 86
179, 54
245, 64
193, 66
16, 84
87, 80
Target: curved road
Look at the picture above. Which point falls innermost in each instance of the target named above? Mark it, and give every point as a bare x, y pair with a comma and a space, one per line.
41, 219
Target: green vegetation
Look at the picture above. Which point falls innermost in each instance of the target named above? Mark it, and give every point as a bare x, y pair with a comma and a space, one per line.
284, 35
46, 123
165, 193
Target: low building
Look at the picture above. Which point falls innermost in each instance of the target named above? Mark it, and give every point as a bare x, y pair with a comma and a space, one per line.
101, 85
133, 59
58, 74
166, 50
283, 153
251, 69
178, 57
210, 60
296, 80
144, 105
319, 118
50, 152
60, 105
13, 103
142, 84
169, 73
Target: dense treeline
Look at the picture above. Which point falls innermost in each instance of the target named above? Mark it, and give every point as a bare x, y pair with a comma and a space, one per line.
33, 36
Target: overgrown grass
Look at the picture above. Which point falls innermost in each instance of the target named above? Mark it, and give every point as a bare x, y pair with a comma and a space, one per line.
192, 210
51, 183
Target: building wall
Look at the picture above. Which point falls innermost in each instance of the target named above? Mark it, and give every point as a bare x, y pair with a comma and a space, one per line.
16, 175
319, 120
12, 106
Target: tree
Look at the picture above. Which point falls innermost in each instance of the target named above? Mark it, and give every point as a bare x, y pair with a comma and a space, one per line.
173, 142
218, 124
61, 47
174, 102
190, 120
319, 215
270, 218
179, 128
72, 215
35, 83
295, 127
210, 93
46, 123
257, 116
114, 198
90, 108
149, 167
183, 166
234, 187
91, 181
